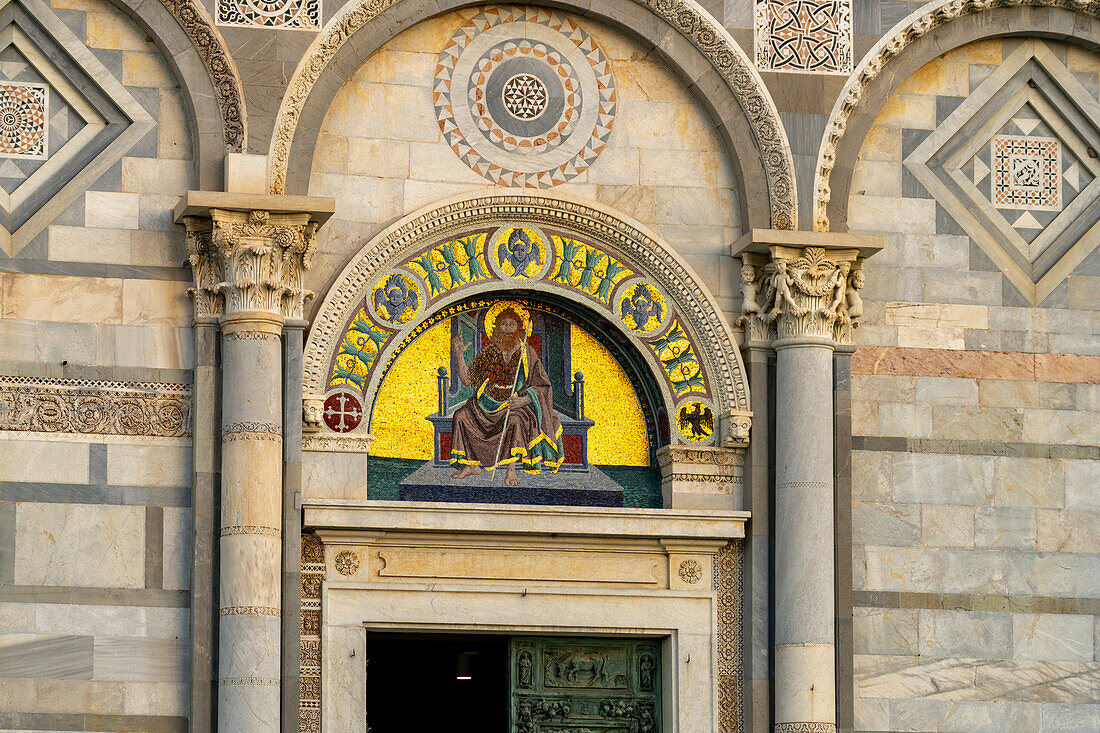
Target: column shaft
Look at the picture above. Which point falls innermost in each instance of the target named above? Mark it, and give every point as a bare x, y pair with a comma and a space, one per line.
804, 552
251, 521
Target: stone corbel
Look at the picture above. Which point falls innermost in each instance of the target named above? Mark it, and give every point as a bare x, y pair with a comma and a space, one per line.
737, 425
249, 252
701, 477
312, 408
802, 284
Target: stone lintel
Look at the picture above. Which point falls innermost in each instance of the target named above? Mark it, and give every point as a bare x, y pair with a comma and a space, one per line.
199, 204
784, 243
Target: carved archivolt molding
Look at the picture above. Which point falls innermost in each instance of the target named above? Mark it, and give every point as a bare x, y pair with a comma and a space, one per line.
250, 261
198, 24
89, 407
717, 349
686, 16
893, 43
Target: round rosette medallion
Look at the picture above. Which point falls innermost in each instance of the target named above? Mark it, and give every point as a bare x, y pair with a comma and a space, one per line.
524, 96
695, 419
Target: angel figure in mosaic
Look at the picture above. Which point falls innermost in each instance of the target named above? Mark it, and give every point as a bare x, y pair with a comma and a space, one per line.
509, 420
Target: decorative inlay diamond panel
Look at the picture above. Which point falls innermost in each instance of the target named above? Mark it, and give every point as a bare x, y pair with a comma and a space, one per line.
23, 115
804, 35
64, 120
525, 96
1013, 166
292, 14
1027, 172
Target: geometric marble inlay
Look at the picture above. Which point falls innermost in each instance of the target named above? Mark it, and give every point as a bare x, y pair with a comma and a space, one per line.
804, 35
293, 14
23, 115
64, 121
1015, 166
1027, 172
524, 96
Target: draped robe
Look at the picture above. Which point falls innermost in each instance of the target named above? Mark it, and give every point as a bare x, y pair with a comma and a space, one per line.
531, 433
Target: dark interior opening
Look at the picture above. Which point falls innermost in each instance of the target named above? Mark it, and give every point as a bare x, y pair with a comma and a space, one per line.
412, 683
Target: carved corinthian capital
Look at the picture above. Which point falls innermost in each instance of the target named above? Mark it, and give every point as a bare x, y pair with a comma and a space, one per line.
248, 257
791, 291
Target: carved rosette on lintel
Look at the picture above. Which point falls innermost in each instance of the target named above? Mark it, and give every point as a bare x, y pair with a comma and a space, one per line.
801, 284
250, 252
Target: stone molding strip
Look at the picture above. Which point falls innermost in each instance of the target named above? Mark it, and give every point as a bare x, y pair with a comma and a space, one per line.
946, 446
686, 16
254, 428
93, 407
909, 30
1013, 366
805, 728
196, 21
976, 602
249, 611
88, 596
252, 530
248, 682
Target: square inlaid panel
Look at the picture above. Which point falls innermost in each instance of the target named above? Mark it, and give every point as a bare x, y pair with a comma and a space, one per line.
1027, 172
23, 115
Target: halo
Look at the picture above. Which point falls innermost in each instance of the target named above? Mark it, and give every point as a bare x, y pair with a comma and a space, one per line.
495, 310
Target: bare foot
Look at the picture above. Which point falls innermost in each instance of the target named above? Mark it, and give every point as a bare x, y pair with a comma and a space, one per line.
511, 478
466, 472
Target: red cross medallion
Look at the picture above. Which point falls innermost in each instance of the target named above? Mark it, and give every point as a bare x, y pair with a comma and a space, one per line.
342, 412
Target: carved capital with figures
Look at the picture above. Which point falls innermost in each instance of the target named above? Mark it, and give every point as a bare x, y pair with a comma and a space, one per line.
802, 284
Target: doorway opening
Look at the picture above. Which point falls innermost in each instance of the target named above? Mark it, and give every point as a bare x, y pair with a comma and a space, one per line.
438, 682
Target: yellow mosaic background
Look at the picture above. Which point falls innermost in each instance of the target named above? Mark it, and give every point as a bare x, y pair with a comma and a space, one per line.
408, 395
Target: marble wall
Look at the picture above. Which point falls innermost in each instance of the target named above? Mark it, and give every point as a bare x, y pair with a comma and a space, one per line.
95, 525
975, 424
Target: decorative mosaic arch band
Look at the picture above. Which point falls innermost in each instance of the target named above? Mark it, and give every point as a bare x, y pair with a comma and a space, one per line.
914, 27
687, 16
486, 245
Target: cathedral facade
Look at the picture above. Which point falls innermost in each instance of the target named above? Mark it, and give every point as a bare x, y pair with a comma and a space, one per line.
591, 366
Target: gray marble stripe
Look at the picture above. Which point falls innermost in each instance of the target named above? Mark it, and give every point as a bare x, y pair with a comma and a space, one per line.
41, 721
976, 602
93, 269
46, 657
142, 660
154, 547
96, 373
94, 596
7, 542
90, 494
974, 447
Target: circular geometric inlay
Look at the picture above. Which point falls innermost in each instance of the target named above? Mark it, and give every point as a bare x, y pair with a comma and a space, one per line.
347, 562
690, 571
342, 412
524, 96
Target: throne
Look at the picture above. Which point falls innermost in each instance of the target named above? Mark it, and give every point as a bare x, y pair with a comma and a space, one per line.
550, 338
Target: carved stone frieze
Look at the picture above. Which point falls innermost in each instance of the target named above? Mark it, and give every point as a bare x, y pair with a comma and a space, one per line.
95, 407
805, 728
197, 23
873, 63
250, 261
690, 475
686, 16
332, 443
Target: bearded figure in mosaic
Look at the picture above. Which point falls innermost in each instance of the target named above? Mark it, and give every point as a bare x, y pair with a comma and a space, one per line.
509, 420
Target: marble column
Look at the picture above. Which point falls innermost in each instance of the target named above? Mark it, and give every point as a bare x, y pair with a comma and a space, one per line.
250, 270
804, 299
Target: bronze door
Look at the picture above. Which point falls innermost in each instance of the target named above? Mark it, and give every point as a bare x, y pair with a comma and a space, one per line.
584, 685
